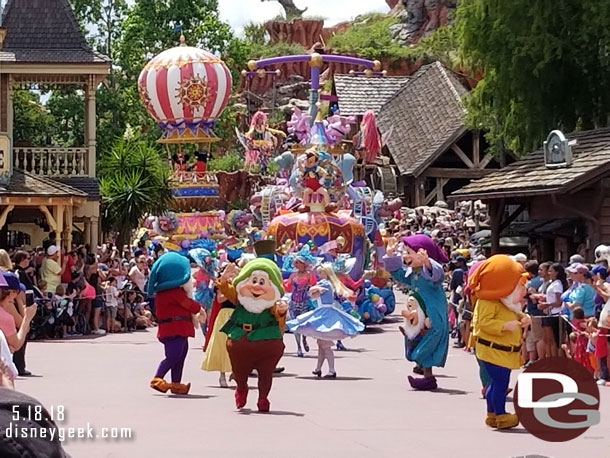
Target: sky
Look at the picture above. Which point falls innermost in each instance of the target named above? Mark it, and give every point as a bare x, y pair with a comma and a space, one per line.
240, 12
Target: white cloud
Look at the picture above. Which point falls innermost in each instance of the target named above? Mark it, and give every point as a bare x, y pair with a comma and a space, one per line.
240, 12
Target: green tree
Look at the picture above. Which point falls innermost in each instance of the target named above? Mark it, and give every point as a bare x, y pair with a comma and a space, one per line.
67, 108
134, 181
546, 65
32, 122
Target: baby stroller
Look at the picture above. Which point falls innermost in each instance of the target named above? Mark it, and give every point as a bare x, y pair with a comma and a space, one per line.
45, 324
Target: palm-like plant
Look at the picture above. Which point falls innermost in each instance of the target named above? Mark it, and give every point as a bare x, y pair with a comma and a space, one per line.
134, 181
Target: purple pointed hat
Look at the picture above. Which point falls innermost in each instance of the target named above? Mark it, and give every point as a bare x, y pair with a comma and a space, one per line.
419, 241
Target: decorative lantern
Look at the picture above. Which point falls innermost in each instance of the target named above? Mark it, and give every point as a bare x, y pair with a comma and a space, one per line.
185, 89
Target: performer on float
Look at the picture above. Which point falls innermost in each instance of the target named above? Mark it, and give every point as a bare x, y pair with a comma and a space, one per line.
256, 326
312, 174
368, 141
499, 287
171, 284
423, 273
298, 285
216, 355
261, 141
327, 322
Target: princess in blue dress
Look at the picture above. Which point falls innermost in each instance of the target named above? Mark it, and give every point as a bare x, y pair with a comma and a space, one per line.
327, 322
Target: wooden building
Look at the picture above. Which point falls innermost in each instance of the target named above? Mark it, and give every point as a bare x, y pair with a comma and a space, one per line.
41, 43
567, 205
431, 147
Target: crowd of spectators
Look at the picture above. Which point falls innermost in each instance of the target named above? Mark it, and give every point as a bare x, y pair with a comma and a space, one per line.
53, 293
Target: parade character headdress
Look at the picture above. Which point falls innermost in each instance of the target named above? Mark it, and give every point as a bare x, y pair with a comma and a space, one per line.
259, 285
496, 278
172, 270
328, 246
421, 241
344, 263
304, 255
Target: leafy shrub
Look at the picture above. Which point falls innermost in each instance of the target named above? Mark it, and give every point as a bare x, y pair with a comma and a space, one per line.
229, 162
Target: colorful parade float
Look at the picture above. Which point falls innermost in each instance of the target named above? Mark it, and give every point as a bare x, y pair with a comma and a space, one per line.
313, 201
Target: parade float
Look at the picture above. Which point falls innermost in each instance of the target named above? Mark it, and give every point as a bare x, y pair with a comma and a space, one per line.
185, 89
315, 199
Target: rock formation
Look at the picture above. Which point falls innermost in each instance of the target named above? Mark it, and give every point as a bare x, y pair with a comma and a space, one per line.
419, 18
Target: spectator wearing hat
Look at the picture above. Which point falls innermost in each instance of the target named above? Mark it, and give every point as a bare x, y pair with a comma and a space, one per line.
576, 259
599, 276
582, 293
8, 293
520, 258
51, 271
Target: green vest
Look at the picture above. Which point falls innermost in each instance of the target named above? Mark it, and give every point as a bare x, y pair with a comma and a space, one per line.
264, 325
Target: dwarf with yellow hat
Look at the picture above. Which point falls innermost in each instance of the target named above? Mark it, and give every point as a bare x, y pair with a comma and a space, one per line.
498, 284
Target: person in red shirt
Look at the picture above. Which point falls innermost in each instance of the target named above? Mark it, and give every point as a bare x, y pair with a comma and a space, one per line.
69, 261
170, 282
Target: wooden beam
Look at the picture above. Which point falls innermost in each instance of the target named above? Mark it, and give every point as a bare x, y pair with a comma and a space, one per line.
4, 215
33, 201
512, 217
486, 160
446, 172
462, 155
476, 148
496, 210
440, 184
50, 219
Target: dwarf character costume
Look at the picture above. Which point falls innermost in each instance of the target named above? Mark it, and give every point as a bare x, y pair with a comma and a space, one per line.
169, 281
255, 328
498, 284
427, 282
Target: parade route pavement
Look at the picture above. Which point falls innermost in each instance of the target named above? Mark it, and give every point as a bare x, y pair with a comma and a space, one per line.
368, 411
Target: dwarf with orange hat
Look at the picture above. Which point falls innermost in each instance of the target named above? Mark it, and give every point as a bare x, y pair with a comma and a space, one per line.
498, 284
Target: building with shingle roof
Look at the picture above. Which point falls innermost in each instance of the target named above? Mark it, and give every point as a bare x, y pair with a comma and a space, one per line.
358, 94
568, 207
41, 42
430, 145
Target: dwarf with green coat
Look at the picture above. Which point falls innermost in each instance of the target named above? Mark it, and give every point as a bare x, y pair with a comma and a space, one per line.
256, 326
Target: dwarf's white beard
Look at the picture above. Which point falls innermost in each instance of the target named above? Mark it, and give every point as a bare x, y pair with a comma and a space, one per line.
412, 331
188, 287
258, 305
513, 301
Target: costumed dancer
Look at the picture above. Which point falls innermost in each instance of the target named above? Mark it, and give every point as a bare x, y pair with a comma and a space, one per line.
204, 280
215, 348
499, 287
255, 329
298, 285
262, 140
424, 275
312, 175
170, 280
327, 322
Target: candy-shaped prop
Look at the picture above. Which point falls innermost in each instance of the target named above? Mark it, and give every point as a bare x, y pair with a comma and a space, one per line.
185, 89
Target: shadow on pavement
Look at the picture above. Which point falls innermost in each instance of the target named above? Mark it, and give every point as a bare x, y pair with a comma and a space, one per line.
449, 391
513, 431
338, 379
187, 396
444, 376
272, 412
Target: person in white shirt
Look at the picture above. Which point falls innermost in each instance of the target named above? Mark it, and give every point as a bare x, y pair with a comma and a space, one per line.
553, 305
111, 297
138, 274
8, 371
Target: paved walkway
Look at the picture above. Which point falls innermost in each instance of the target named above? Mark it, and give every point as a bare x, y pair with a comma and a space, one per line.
369, 411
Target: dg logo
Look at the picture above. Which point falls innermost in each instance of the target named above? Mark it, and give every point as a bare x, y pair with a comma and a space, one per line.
557, 399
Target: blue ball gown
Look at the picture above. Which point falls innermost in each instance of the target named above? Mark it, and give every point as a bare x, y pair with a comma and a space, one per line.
327, 321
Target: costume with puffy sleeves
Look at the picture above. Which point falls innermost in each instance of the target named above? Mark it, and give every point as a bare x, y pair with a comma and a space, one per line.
493, 284
255, 339
428, 284
174, 310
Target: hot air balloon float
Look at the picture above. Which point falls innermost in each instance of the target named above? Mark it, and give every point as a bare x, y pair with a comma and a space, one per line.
185, 90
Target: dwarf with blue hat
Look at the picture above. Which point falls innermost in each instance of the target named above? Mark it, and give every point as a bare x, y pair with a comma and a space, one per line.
171, 284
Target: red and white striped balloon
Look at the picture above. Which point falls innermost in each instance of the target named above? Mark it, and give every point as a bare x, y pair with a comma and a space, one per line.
185, 86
